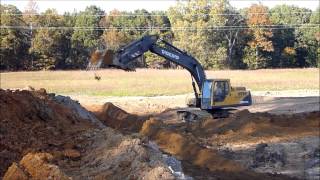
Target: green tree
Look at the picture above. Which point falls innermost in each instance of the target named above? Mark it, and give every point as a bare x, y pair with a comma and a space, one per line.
284, 40
13, 41
309, 41
260, 40
115, 36
208, 34
123, 27
228, 36
69, 62
86, 36
30, 14
191, 30
49, 44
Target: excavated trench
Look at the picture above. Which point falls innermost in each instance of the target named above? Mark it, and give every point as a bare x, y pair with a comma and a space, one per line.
242, 146
44, 135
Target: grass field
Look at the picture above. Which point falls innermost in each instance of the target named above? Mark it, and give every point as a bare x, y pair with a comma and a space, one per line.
148, 82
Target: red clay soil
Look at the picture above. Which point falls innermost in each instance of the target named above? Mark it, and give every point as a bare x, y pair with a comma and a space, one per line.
207, 162
180, 141
246, 127
182, 146
31, 122
37, 166
117, 118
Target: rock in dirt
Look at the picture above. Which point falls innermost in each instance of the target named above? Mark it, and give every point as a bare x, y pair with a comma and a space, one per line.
71, 153
37, 166
15, 172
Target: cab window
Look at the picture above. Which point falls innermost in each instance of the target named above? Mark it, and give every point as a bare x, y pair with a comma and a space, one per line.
226, 88
220, 90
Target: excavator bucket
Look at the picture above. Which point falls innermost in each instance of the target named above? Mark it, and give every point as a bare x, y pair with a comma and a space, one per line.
106, 58
100, 58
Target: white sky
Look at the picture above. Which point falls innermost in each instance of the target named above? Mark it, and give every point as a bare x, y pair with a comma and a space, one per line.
129, 5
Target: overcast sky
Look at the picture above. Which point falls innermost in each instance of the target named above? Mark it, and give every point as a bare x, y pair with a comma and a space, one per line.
75, 5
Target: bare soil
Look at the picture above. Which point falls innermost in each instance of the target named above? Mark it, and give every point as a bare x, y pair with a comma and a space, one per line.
30, 122
54, 137
43, 137
203, 144
275, 102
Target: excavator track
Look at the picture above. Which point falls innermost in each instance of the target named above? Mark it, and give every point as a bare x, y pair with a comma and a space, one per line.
196, 114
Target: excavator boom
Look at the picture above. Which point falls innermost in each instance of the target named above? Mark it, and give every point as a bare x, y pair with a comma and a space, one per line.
210, 93
154, 44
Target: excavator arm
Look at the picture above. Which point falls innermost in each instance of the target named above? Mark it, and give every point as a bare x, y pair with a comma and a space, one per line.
154, 44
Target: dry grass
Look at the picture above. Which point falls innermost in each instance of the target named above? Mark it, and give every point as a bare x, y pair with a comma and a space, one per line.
147, 82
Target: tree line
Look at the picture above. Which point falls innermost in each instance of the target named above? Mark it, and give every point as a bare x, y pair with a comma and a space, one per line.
214, 32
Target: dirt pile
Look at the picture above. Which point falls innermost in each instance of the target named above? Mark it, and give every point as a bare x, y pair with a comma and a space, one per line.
179, 140
245, 128
77, 109
117, 118
44, 136
212, 144
198, 161
297, 158
111, 155
182, 146
31, 122
286, 144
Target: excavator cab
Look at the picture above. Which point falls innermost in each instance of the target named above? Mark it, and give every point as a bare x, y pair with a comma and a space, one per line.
218, 93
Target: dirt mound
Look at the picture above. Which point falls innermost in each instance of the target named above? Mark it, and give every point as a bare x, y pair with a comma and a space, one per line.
77, 109
53, 137
182, 146
36, 166
245, 127
198, 144
57, 138
111, 155
117, 118
31, 122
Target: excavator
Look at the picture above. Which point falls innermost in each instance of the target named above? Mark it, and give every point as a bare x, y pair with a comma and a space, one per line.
211, 95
